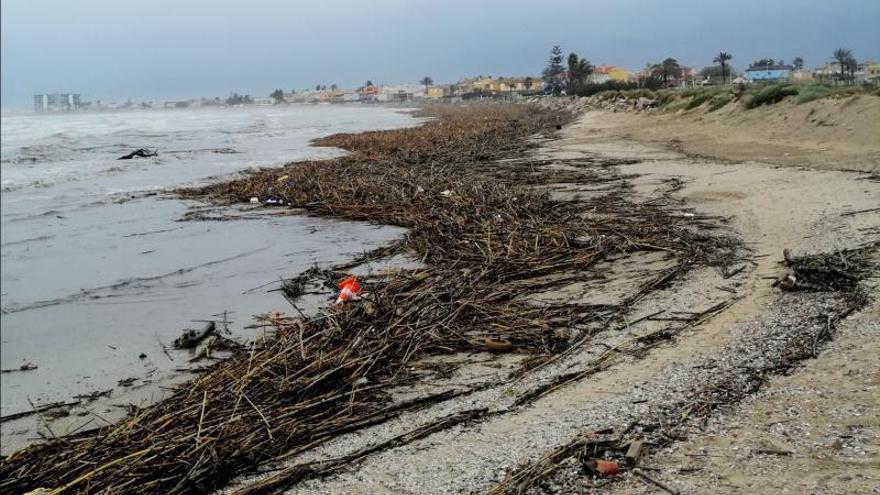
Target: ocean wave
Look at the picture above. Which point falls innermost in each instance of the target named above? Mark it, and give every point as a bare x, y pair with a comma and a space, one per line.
71, 174
253, 127
46, 153
9, 186
19, 160
135, 286
218, 151
29, 240
145, 134
36, 216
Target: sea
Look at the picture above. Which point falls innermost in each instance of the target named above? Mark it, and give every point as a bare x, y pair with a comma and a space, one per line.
101, 271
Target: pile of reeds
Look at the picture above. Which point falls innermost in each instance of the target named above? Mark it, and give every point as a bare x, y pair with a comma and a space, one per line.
837, 271
481, 229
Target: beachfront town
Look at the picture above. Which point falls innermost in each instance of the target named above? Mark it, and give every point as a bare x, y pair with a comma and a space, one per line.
556, 79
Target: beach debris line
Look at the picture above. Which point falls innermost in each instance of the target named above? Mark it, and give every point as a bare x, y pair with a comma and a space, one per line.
190, 338
139, 153
267, 201
480, 248
295, 287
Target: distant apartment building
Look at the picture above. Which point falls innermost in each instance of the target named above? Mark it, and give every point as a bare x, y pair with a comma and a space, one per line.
369, 93
801, 75
867, 71
872, 72
57, 102
769, 73
262, 100
499, 85
605, 73
400, 92
176, 104
442, 91
827, 71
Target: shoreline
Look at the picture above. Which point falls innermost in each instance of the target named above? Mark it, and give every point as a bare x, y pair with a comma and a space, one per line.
521, 240
122, 276
467, 140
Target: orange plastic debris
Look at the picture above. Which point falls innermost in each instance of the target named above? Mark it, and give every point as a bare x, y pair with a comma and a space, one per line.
348, 289
607, 468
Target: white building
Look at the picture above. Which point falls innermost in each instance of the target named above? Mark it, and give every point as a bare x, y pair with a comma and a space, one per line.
400, 92
56, 102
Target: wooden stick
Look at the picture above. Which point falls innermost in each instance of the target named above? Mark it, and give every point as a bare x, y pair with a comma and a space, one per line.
653, 481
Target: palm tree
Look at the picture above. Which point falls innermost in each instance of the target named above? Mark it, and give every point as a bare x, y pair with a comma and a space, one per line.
427, 81
579, 70
722, 59
669, 68
842, 56
852, 65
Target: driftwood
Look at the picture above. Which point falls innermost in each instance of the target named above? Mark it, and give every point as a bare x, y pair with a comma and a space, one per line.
94, 395
634, 452
836, 271
139, 153
654, 482
38, 410
191, 338
23, 367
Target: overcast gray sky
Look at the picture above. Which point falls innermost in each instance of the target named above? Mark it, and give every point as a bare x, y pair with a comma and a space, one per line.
146, 50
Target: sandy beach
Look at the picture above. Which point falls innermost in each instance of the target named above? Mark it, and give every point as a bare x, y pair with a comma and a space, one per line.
576, 284
457, 248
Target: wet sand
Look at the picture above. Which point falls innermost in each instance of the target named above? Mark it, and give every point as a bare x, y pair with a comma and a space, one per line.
99, 271
88, 341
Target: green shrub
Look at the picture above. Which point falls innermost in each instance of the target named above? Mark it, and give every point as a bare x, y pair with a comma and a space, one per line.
675, 104
810, 93
664, 97
688, 93
590, 89
698, 99
771, 95
719, 101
